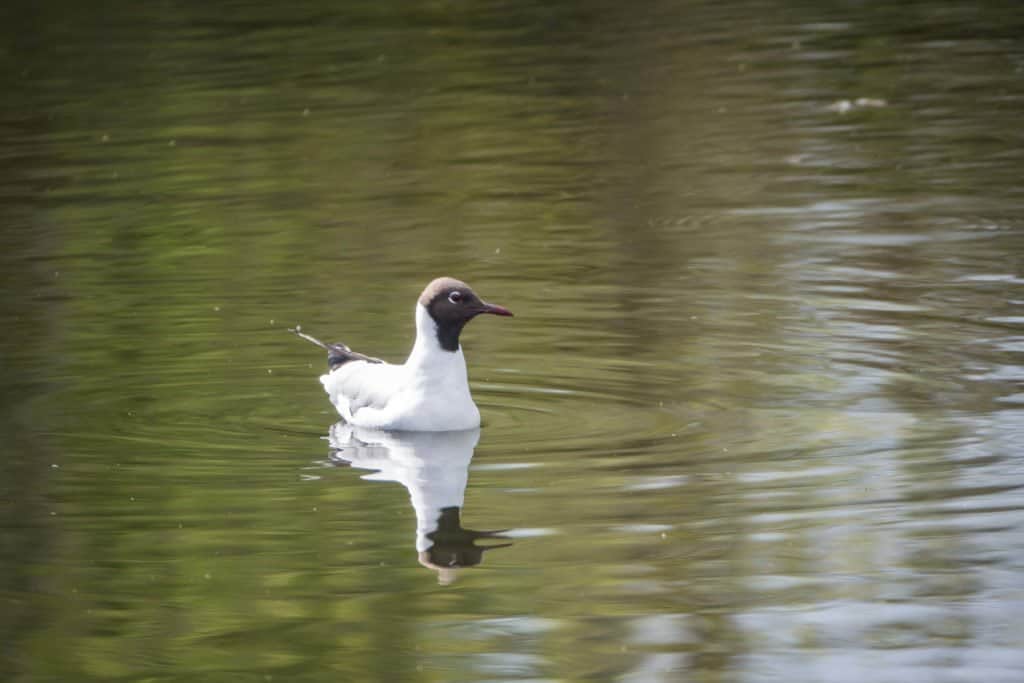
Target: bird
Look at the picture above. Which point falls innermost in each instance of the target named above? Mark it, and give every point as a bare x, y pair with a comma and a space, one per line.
430, 391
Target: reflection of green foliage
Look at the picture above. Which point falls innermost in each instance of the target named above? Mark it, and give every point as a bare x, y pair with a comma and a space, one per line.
191, 178
201, 168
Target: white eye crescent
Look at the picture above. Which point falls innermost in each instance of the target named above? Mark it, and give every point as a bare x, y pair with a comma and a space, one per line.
455, 297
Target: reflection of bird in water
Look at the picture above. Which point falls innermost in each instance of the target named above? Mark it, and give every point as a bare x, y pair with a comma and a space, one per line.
434, 468
454, 546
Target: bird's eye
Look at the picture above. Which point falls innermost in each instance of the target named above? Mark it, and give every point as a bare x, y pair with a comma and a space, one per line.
455, 297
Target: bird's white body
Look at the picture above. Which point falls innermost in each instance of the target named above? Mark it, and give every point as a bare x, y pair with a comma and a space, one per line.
429, 392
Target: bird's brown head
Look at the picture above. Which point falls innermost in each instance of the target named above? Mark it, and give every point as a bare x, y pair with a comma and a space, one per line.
452, 304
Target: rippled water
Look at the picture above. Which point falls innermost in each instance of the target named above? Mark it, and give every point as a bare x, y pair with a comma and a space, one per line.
759, 416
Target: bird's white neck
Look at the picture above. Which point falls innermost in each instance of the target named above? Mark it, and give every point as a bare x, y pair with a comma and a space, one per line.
427, 356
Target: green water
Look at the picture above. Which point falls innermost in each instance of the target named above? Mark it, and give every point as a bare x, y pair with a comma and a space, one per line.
759, 416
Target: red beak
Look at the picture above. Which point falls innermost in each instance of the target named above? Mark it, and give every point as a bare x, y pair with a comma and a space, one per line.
495, 309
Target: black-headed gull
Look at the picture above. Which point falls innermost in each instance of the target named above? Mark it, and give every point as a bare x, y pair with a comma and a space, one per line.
430, 391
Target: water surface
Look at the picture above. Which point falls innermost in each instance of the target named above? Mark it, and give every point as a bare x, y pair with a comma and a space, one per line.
759, 416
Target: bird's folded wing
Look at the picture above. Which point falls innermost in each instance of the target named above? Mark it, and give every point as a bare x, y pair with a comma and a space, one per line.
361, 384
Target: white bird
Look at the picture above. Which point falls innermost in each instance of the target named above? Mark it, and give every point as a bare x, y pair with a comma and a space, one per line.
430, 391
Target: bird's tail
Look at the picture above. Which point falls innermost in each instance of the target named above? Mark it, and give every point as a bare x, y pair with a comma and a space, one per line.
337, 354
297, 330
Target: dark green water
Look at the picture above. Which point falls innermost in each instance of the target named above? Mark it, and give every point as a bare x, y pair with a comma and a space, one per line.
760, 416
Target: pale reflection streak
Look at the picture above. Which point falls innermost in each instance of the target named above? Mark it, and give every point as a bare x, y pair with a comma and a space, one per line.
434, 468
